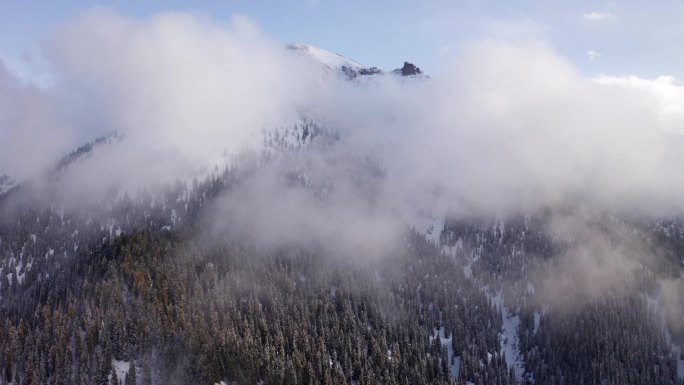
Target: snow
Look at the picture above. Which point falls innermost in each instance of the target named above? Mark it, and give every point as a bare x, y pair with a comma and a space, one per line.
174, 216
453, 250
467, 270
358, 73
20, 278
502, 226
426, 222
537, 318
509, 335
456, 366
121, 368
330, 60
431, 227
509, 342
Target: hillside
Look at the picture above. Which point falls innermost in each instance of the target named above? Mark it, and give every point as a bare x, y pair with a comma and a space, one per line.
329, 253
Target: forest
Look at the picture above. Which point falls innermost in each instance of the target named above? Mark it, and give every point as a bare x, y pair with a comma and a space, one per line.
132, 291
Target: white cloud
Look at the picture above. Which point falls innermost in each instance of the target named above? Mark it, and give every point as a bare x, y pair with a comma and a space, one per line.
515, 126
662, 95
593, 54
510, 126
181, 89
598, 16
31, 135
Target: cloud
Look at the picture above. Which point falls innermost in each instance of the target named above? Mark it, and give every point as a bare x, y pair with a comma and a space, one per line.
507, 127
671, 296
662, 95
184, 92
176, 81
598, 16
272, 213
597, 257
31, 134
593, 55
514, 126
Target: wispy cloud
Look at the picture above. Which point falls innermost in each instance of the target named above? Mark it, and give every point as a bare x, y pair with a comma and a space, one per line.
598, 16
593, 54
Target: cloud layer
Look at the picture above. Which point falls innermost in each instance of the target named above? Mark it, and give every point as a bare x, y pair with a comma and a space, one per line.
505, 127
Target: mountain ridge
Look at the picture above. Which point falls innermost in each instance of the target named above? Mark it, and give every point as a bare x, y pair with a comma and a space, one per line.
351, 69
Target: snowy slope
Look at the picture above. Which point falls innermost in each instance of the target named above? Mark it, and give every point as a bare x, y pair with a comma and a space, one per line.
509, 335
454, 362
331, 60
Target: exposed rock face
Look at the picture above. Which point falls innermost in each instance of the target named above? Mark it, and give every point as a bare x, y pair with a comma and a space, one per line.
352, 73
410, 69
369, 71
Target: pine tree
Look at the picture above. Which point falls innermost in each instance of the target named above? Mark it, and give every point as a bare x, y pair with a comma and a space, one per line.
131, 375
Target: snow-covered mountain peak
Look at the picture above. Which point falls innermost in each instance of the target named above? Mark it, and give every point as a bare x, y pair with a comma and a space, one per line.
331, 60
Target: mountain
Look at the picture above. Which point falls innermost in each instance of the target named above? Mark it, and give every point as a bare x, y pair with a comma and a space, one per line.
335, 63
290, 265
331, 60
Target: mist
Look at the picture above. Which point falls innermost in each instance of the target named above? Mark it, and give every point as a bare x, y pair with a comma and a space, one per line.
502, 128
26, 115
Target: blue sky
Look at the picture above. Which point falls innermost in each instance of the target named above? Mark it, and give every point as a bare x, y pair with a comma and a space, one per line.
618, 38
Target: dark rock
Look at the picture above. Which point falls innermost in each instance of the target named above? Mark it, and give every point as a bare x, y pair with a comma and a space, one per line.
369, 71
410, 69
349, 72
352, 73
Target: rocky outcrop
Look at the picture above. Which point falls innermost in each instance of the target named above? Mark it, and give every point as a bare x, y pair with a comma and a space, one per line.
410, 69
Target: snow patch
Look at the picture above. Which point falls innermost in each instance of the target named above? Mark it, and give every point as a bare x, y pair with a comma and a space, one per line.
454, 362
429, 225
121, 368
509, 335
